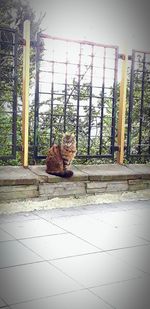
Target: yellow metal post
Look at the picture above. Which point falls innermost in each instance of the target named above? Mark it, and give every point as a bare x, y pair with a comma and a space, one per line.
122, 111
25, 109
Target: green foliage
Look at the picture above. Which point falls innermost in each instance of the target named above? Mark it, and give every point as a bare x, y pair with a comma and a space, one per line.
141, 99
13, 13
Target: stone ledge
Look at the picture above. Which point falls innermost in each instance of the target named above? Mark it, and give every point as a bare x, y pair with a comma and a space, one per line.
39, 171
142, 170
117, 172
17, 183
16, 175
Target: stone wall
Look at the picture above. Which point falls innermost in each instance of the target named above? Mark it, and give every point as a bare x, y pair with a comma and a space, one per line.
17, 183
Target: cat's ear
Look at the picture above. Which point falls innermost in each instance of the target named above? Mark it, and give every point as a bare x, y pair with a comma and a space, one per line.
67, 134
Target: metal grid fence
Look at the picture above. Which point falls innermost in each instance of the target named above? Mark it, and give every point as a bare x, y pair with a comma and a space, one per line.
8, 92
76, 90
138, 130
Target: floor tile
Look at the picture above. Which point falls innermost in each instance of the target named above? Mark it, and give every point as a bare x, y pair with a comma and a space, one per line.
141, 231
31, 228
59, 246
57, 213
29, 282
137, 256
100, 234
120, 219
81, 225
13, 253
81, 299
17, 217
4, 236
134, 294
96, 269
135, 205
143, 215
64, 238
74, 222
109, 240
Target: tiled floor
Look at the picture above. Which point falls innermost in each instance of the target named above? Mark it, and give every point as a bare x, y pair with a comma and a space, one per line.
93, 257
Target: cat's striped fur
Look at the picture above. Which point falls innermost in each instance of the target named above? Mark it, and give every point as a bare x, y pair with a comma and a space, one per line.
59, 158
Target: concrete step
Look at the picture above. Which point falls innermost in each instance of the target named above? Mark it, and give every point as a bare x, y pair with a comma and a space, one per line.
18, 183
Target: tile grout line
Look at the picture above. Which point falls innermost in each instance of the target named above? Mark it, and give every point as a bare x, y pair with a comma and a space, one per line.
110, 284
102, 250
66, 231
46, 297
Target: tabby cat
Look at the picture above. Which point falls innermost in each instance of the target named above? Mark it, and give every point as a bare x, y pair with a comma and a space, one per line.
59, 158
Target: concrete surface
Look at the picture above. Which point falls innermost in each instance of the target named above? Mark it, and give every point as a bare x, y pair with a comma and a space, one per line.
92, 257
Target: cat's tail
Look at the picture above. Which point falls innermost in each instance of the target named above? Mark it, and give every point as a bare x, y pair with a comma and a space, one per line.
65, 174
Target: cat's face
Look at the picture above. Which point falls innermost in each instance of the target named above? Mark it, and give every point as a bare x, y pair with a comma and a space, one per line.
68, 139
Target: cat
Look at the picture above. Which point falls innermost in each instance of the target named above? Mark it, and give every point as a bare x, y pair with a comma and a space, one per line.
59, 158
